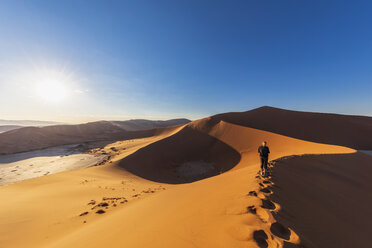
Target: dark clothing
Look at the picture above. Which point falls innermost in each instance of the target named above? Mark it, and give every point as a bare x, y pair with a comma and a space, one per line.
264, 156
264, 151
264, 163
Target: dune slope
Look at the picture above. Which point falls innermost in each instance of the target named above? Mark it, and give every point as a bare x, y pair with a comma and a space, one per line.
345, 130
327, 198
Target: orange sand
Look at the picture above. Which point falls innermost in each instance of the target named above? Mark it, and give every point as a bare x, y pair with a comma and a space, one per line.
213, 212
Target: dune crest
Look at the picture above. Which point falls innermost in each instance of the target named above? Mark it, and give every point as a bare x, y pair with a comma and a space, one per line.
344, 130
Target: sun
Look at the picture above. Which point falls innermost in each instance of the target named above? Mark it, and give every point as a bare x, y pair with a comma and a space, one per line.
51, 85
52, 91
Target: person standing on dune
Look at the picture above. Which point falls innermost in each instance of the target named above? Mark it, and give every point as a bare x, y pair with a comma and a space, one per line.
264, 151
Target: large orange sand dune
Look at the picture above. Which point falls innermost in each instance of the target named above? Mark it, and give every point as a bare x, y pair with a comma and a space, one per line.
226, 210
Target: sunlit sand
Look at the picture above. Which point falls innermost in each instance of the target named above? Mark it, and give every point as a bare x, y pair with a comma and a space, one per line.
196, 184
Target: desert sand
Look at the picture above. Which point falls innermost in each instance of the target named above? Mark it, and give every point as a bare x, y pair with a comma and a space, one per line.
196, 185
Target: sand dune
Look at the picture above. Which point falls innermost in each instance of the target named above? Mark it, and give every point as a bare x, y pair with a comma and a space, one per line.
345, 130
210, 213
230, 207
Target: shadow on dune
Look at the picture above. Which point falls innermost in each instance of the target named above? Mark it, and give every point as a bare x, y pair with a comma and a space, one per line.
326, 199
186, 156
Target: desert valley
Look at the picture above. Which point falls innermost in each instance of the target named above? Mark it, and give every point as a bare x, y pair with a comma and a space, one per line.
188, 183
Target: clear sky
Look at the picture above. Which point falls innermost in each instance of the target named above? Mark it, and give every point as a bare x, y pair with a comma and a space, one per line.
86, 60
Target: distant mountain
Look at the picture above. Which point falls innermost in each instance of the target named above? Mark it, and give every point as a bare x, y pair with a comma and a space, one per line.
141, 124
8, 128
33, 138
28, 123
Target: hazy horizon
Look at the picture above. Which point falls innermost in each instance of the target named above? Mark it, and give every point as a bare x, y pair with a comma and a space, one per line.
87, 120
121, 118
73, 62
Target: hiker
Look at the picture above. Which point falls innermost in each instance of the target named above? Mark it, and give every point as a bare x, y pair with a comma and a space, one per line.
264, 151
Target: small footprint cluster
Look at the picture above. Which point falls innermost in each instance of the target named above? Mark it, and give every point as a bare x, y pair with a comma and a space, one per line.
107, 202
278, 232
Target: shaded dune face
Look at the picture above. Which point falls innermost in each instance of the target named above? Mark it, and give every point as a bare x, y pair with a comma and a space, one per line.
326, 198
186, 156
345, 130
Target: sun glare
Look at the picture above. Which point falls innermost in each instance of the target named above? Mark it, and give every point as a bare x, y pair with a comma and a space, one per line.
51, 85
52, 91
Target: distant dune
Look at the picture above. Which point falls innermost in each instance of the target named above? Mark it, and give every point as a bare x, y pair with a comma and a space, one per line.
32, 138
141, 124
7, 128
345, 130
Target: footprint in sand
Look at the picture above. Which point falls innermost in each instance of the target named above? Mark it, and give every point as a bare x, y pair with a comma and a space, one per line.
260, 237
280, 231
268, 204
266, 182
148, 191
100, 211
252, 193
103, 204
85, 213
252, 209
265, 190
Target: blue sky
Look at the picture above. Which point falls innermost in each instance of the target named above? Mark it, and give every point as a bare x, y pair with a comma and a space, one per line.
167, 59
